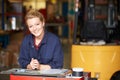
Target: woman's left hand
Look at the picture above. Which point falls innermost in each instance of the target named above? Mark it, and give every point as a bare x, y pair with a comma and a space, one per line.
36, 64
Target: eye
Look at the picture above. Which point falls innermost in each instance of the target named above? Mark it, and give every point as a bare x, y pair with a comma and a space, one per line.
30, 26
37, 24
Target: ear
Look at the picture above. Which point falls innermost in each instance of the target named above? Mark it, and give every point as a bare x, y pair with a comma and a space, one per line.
43, 23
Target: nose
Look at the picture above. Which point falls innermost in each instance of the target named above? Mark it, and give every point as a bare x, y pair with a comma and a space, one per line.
34, 27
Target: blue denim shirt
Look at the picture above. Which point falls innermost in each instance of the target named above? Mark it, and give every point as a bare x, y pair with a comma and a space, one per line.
50, 51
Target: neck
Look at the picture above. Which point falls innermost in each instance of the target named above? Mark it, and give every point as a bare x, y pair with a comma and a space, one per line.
39, 38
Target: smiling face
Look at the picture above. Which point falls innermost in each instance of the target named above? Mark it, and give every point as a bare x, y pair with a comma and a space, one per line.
35, 26
35, 22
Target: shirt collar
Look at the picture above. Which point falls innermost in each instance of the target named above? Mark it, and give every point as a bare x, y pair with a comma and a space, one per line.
44, 38
44, 41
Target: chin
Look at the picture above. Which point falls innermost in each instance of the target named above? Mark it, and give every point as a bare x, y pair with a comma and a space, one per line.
37, 35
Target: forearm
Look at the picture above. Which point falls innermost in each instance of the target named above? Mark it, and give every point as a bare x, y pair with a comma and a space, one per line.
44, 67
41, 67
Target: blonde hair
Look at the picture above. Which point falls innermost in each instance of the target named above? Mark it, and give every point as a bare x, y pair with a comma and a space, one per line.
34, 13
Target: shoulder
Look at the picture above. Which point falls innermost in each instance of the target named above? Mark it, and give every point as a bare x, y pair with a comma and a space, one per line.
52, 36
27, 38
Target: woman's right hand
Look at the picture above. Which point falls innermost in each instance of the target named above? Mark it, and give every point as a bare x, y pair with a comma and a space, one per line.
34, 63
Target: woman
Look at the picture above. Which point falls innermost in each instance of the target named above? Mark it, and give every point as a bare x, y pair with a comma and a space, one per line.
40, 49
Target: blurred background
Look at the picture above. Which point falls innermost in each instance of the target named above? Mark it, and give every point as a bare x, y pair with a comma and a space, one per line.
65, 18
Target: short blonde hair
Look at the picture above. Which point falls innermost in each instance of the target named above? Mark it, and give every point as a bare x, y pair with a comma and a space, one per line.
34, 13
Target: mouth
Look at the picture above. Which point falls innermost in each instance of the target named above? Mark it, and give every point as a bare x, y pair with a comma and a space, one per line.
36, 31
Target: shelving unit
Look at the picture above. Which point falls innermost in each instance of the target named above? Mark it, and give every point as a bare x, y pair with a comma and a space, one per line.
2, 14
101, 2
8, 10
101, 9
